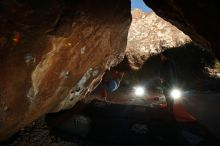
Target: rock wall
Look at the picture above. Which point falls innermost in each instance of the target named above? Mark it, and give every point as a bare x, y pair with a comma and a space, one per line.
149, 35
197, 18
54, 52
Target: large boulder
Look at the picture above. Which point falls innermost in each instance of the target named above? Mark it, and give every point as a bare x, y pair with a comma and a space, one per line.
54, 52
197, 18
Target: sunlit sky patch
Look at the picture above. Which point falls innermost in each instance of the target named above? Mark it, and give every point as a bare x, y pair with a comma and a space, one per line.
140, 5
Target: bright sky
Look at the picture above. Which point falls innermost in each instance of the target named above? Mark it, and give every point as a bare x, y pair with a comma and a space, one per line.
140, 4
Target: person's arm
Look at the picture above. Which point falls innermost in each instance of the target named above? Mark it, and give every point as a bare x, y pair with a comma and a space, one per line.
120, 78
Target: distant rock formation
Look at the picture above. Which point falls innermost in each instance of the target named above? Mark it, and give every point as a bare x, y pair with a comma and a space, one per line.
197, 18
148, 35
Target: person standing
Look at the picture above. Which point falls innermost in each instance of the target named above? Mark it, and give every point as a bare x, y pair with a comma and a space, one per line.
167, 77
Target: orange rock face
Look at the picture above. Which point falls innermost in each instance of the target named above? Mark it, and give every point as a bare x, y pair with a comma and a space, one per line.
52, 53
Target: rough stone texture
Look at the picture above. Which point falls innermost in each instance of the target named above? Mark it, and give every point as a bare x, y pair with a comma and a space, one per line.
149, 35
197, 18
36, 134
53, 52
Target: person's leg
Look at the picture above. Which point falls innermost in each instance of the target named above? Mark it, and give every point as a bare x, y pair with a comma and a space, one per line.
107, 93
171, 104
104, 93
169, 101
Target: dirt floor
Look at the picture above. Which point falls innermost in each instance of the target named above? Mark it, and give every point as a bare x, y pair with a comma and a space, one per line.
204, 106
124, 120
36, 134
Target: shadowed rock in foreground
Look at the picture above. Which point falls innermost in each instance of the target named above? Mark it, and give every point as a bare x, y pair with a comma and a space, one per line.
54, 52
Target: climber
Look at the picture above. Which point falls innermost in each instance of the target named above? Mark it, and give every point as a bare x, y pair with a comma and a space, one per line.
111, 82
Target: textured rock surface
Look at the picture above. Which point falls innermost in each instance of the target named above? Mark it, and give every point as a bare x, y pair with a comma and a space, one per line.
149, 35
36, 134
54, 52
197, 18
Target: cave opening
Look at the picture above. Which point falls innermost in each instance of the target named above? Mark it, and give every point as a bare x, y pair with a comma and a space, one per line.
140, 96
139, 4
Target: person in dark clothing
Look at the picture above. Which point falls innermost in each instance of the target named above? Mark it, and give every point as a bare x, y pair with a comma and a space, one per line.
167, 78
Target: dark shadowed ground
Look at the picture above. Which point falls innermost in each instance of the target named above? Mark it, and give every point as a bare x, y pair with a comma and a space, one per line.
205, 108
125, 120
